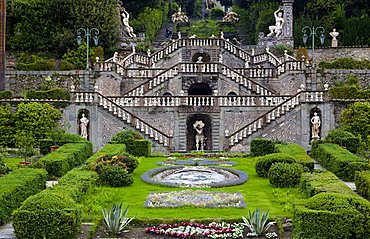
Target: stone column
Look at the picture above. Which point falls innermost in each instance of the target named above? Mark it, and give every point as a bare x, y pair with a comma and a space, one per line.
288, 26
2, 43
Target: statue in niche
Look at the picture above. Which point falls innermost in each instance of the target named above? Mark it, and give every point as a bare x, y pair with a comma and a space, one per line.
83, 126
334, 34
315, 128
126, 26
279, 23
199, 137
179, 16
200, 59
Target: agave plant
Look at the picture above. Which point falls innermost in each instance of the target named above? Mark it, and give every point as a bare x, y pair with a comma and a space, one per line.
257, 222
115, 219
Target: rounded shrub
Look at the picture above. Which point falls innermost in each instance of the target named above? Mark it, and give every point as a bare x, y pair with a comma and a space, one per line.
344, 138
121, 137
264, 163
285, 175
125, 161
115, 176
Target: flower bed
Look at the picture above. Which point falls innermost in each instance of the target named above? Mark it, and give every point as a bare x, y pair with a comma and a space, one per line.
197, 198
197, 176
194, 230
197, 162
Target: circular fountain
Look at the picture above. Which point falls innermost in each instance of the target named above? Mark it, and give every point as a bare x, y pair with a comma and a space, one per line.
194, 176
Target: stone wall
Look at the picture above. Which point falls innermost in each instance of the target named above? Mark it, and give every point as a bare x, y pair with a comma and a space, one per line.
235, 120
157, 117
332, 76
330, 54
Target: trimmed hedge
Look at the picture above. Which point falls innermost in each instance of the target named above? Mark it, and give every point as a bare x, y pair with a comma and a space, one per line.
285, 175
261, 146
328, 216
6, 94
16, 187
54, 213
141, 147
264, 163
53, 94
45, 144
322, 181
344, 138
108, 149
65, 158
298, 153
339, 161
362, 181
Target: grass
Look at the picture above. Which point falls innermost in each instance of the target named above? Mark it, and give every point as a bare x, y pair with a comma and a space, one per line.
257, 192
13, 163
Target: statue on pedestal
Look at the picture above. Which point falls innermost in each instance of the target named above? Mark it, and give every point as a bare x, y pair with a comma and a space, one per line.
179, 16
279, 23
315, 128
199, 137
334, 41
125, 21
83, 126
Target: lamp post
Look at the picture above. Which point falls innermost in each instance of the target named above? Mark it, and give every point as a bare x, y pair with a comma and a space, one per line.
311, 32
93, 32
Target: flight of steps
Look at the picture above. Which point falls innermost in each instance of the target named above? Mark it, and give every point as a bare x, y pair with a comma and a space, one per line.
160, 38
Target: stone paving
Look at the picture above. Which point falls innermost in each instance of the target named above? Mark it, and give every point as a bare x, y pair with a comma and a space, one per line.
7, 232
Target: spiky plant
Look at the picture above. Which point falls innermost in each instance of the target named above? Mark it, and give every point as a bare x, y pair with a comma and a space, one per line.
115, 219
257, 222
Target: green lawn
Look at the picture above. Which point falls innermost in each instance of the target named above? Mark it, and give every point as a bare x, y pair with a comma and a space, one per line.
256, 191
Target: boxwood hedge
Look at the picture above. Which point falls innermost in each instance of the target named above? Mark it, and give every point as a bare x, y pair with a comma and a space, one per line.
298, 153
362, 180
327, 216
108, 149
264, 163
322, 181
261, 146
340, 161
285, 175
16, 187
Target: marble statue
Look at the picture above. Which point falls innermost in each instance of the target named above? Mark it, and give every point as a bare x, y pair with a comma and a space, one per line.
210, 4
200, 59
279, 23
231, 17
199, 137
179, 16
83, 126
126, 26
334, 34
315, 128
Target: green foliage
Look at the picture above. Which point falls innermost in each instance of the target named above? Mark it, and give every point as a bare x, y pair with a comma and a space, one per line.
76, 59
54, 94
122, 136
115, 176
61, 139
125, 161
362, 180
356, 119
7, 127
345, 63
282, 175
345, 92
261, 146
280, 49
298, 153
36, 120
109, 150
257, 222
322, 181
29, 62
115, 219
217, 13
344, 138
4, 169
139, 147
264, 163
339, 161
6, 94
47, 215
327, 216
65, 158
16, 187
203, 28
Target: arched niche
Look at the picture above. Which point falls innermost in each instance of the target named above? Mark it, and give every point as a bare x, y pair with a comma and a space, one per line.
205, 57
200, 89
207, 131
311, 119
80, 113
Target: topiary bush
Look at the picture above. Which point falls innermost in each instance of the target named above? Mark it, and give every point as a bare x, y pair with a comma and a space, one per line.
52, 94
108, 149
285, 175
121, 137
139, 147
264, 163
327, 216
362, 181
6, 94
115, 176
63, 138
344, 138
125, 161
322, 181
261, 146
298, 153
16, 187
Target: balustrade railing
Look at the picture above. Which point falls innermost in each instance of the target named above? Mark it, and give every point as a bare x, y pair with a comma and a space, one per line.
257, 72
290, 66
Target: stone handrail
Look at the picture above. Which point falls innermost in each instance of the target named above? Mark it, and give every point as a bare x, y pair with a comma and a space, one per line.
257, 72
290, 66
175, 101
126, 116
264, 119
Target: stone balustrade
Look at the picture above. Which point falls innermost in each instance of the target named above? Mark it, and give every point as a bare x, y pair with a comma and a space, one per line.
257, 72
